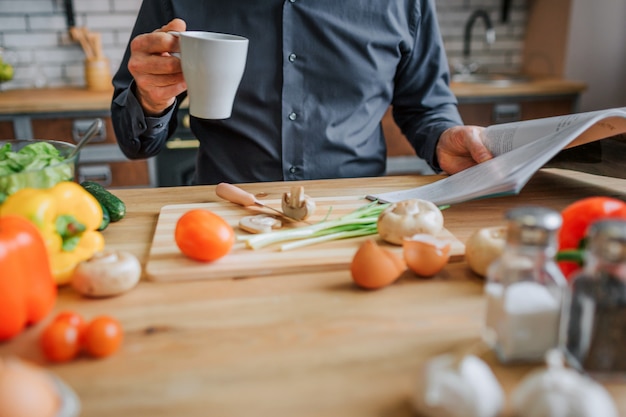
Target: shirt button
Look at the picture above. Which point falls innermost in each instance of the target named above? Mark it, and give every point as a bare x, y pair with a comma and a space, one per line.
293, 116
292, 1
141, 125
292, 57
293, 170
159, 125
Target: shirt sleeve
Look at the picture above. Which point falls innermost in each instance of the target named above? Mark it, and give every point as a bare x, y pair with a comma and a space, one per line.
139, 136
423, 104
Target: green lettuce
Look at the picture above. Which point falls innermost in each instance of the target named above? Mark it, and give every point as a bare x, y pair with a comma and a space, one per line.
36, 165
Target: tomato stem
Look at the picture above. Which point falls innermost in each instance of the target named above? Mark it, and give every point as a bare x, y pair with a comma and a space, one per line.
570, 255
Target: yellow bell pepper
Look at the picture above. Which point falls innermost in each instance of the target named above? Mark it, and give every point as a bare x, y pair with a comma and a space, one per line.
68, 217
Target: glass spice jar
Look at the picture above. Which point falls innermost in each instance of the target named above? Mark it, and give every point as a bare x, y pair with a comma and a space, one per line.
525, 289
596, 329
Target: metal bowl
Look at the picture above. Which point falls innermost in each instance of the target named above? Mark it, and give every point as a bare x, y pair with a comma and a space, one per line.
40, 177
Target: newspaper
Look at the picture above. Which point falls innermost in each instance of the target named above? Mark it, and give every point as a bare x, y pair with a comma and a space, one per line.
520, 149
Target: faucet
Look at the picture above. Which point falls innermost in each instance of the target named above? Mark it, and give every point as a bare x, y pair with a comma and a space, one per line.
490, 34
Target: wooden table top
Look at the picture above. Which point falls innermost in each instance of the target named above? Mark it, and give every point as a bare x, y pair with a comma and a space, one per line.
308, 344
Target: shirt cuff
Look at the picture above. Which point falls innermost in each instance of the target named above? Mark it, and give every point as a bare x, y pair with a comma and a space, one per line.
143, 125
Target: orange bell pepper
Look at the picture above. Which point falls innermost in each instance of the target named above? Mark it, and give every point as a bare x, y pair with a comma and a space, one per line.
28, 291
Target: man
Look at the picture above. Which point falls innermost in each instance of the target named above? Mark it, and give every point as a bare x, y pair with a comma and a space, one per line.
319, 77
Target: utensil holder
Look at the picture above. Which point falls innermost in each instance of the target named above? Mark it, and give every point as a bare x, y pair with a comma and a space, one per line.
98, 74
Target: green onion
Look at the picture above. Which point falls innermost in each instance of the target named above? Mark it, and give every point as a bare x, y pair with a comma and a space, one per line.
360, 222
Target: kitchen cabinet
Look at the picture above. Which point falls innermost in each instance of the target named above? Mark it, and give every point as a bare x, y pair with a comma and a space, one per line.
6, 130
513, 110
65, 115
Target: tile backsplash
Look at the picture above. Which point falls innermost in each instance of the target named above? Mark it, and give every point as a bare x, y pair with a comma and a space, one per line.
34, 36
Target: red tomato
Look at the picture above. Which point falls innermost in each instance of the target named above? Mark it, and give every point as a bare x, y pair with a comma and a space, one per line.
578, 216
103, 336
60, 341
74, 319
203, 235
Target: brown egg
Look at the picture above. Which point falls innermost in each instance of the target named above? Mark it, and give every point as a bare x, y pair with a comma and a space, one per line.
374, 267
26, 390
425, 254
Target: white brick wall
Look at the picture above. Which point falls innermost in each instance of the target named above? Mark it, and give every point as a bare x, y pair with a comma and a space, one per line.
35, 33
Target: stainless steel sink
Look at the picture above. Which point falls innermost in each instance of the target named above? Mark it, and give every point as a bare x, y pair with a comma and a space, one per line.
502, 80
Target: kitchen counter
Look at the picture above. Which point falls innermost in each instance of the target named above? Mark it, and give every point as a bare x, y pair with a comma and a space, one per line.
305, 344
79, 99
47, 100
542, 87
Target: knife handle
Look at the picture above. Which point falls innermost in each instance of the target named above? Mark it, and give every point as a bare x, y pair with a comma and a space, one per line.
235, 195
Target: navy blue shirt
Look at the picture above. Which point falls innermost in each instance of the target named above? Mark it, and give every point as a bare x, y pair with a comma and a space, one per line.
319, 77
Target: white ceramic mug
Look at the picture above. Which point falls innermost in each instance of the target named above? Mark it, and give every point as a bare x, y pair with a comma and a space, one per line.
213, 65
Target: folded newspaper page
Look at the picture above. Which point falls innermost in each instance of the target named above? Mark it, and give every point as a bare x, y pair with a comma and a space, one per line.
520, 149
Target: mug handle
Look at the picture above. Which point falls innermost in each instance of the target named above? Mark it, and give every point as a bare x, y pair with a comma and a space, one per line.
177, 34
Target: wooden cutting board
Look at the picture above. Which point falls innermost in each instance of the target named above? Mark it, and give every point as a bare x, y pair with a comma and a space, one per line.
167, 263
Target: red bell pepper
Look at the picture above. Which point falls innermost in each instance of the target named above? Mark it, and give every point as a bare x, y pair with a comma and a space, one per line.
577, 217
28, 291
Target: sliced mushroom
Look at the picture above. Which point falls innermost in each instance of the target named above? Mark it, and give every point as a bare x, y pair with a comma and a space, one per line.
298, 205
260, 223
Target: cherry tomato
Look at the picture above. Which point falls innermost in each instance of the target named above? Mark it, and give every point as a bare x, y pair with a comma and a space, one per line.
103, 336
74, 319
203, 235
576, 220
60, 341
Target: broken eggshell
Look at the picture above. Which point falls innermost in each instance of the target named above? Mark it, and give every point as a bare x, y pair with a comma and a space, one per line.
425, 254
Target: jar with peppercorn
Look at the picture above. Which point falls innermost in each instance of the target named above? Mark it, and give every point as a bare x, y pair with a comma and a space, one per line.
596, 328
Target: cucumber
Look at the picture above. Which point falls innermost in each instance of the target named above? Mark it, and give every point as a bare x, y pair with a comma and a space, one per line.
106, 218
115, 206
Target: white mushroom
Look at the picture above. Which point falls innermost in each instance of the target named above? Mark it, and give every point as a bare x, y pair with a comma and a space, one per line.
407, 218
297, 205
260, 223
106, 274
483, 247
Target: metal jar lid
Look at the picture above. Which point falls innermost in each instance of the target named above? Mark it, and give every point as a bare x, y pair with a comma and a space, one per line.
533, 225
607, 239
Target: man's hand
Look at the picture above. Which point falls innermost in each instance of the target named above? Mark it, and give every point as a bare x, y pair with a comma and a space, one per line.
461, 147
158, 75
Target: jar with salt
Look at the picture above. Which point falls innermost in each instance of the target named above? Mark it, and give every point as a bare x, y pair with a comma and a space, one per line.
525, 290
596, 329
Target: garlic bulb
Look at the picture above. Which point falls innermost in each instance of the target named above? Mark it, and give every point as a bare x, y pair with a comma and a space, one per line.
451, 388
558, 391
